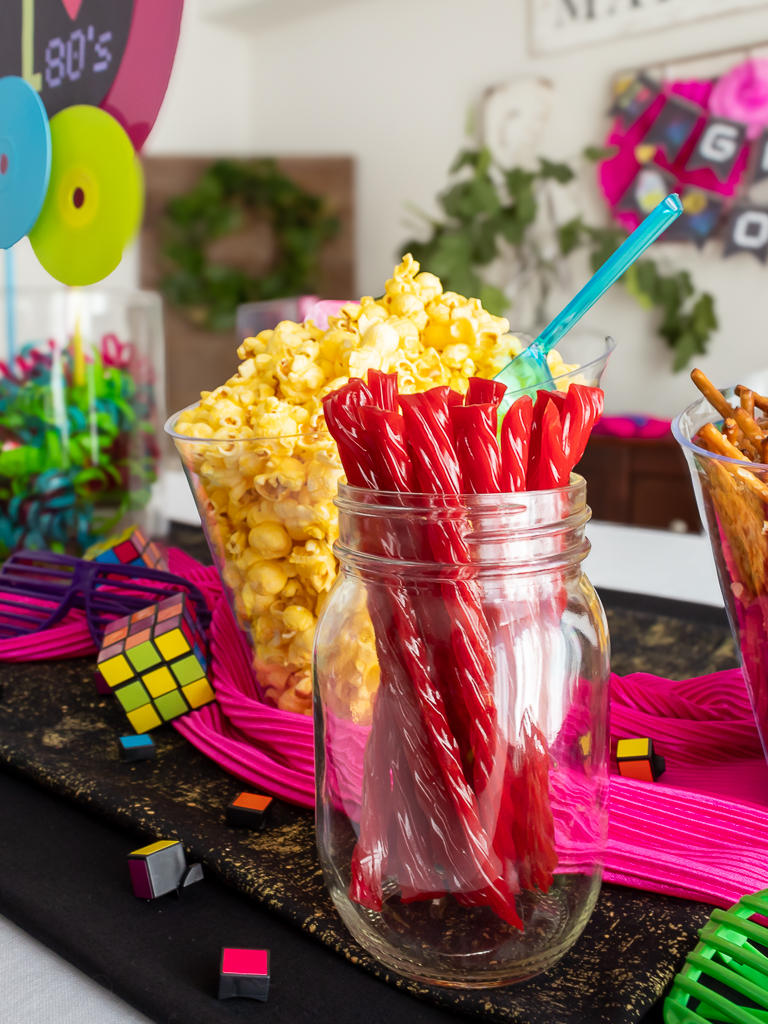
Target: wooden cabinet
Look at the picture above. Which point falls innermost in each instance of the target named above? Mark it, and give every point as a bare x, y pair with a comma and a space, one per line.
642, 482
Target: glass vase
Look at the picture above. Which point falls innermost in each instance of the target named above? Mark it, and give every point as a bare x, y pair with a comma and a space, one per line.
266, 507
81, 403
734, 512
461, 723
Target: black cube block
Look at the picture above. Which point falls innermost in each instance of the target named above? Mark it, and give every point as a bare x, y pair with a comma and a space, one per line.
136, 748
249, 810
244, 973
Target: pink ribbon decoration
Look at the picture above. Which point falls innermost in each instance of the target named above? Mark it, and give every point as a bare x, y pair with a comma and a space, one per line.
700, 832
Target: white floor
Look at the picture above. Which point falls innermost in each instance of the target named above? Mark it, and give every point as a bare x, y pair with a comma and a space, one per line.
38, 987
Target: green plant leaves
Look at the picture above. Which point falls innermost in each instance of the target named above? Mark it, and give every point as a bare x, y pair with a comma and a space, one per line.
492, 204
560, 172
219, 204
597, 153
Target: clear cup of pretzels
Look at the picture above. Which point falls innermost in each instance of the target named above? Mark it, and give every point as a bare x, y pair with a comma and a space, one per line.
724, 436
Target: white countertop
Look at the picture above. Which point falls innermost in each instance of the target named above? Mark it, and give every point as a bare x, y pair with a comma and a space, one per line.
628, 558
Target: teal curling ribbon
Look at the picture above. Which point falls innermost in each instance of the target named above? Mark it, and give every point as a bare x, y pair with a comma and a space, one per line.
74, 458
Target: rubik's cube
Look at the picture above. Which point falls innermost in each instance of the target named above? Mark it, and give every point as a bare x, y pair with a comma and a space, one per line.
129, 548
636, 760
155, 663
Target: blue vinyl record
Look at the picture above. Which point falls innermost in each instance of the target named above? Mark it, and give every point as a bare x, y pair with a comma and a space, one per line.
25, 158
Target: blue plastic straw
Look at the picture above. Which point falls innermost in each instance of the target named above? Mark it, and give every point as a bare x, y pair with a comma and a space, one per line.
10, 306
529, 369
655, 224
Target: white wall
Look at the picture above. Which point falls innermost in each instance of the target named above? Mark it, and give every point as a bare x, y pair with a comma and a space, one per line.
392, 81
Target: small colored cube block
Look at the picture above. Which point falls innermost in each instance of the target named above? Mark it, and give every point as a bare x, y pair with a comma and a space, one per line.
636, 759
136, 748
155, 662
130, 547
157, 869
249, 810
161, 868
244, 973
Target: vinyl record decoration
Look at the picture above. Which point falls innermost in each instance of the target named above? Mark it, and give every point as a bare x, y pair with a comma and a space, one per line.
69, 58
94, 199
705, 139
25, 159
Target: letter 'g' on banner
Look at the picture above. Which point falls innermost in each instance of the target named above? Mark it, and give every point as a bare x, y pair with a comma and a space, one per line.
748, 232
718, 147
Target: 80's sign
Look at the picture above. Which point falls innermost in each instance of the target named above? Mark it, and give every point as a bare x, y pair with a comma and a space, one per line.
68, 50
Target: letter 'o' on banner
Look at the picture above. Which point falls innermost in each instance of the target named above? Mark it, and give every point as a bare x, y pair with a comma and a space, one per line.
748, 232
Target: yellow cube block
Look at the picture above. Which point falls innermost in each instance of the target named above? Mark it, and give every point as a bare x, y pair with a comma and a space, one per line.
198, 693
159, 681
172, 644
116, 670
144, 719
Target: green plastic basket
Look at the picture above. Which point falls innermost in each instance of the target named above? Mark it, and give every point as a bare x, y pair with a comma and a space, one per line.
731, 957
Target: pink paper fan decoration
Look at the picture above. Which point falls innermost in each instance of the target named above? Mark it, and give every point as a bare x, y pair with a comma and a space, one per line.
742, 95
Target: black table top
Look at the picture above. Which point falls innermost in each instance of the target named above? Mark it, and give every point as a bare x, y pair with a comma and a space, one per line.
72, 812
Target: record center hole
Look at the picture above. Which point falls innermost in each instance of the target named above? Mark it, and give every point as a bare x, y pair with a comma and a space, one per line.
78, 198
3, 163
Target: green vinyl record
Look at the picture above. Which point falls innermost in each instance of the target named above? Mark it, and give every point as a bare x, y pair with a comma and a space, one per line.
95, 197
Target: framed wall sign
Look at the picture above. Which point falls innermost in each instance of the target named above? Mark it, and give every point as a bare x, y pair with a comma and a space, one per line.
563, 24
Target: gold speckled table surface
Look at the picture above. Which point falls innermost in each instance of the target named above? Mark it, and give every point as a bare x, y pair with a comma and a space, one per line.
56, 731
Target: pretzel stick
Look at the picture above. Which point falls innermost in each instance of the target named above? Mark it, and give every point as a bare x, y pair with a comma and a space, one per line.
747, 401
749, 427
760, 400
738, 440
712, 395
716, 442
731, 431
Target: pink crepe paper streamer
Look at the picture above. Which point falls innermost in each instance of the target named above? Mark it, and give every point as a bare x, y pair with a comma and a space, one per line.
645, 427
264, 746
320, 311
742, 95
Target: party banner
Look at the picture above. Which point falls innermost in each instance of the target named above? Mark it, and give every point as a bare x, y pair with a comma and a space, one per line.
707, 140
747, 231
718, 147
673, 127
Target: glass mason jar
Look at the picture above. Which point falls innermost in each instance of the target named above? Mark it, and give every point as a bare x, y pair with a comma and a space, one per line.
82, 398
462, 788
733, 497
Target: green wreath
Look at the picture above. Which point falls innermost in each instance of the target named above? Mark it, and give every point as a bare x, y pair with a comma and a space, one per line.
210, 293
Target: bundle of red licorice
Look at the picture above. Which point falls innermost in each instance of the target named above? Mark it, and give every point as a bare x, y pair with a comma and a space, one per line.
449, 804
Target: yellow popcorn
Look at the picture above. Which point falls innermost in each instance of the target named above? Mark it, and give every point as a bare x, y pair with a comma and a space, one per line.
267, 471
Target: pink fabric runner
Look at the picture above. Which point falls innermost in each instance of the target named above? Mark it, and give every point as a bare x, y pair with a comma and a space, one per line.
701, 832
